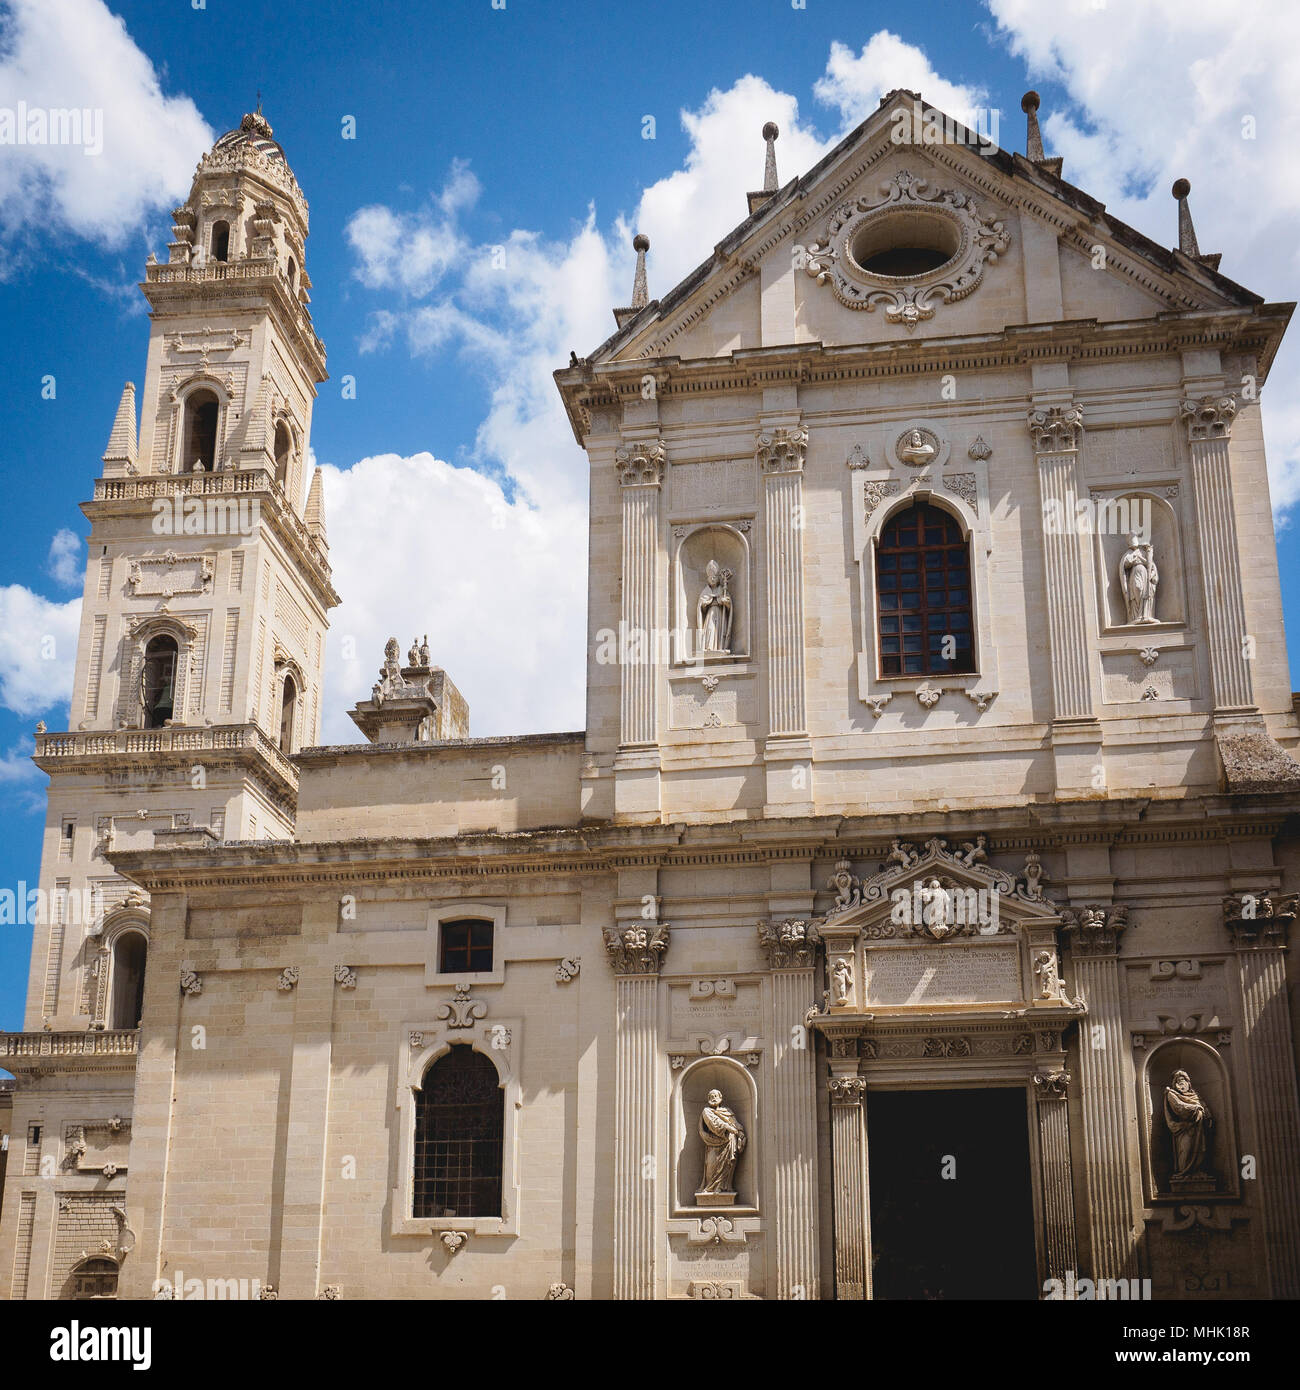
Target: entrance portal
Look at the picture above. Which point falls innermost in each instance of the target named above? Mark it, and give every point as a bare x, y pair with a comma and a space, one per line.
952, 1212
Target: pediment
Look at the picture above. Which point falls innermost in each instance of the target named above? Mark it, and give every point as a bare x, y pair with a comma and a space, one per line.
979, 202
937, 892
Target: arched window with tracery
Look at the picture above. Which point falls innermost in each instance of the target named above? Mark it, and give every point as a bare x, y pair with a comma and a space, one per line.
923, 594
459, 1137
158, 681
93, 1278
126, 1003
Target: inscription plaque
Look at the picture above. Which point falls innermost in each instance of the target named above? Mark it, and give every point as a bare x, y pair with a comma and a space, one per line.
943, 975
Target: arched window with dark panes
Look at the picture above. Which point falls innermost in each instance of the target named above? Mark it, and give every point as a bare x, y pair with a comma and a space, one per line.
288, 713
221, 241
158, 681
199, 446
127, 998
283, 454
459, 1137
923, 594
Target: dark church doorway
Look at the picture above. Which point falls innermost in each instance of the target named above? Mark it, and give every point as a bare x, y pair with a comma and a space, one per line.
952, 1213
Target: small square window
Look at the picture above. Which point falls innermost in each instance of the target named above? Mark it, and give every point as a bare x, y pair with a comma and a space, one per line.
465, 947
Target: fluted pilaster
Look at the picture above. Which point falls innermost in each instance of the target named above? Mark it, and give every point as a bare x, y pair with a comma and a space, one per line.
1059, 1242
1056, 432
1261, 944
1209, 426
1107, 1082
781, 457
850, 1200
640, 471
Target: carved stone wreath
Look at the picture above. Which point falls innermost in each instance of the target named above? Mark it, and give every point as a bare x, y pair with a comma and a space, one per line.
908, 300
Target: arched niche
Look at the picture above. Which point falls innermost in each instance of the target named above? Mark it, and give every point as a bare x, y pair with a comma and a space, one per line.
1209, 1078
1117, 516
740, 1093
728, 548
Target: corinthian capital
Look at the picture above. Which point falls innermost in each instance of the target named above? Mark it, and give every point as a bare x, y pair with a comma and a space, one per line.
1259, 920
637, 950
641, 464
1209, 418
847, 1090
782, 450
790, 945
1056, 429
1094, 931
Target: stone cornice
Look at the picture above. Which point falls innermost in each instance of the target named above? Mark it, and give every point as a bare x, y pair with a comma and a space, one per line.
1254, 332
604, 848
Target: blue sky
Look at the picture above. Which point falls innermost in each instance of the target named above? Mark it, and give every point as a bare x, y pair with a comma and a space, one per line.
524, 128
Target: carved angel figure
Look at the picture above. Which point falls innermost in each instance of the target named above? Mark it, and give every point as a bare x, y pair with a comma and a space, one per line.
1050, 985
848, 891
714, 610
842, 974
1189, 1120
1138, 577
1033, 875
724, 1142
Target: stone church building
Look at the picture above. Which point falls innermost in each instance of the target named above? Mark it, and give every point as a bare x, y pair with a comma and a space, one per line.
909, 921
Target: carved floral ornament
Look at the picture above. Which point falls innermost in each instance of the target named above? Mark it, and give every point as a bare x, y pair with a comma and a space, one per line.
1094, 931
1051, 1085
641, 464
858, 229
1259, 918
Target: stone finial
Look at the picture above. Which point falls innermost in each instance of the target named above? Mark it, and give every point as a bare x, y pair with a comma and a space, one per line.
1187, 243
640, 290
122, 439
770, 132
1029, 104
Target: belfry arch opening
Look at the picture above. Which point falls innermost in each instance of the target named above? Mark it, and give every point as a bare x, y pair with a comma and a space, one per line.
283, 454
158, 681
127, 1001
199, 448
221, 241
288, 710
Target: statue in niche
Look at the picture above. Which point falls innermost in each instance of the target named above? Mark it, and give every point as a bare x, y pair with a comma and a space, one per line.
1189, 1120
724, 1142
714, 609
1138, 577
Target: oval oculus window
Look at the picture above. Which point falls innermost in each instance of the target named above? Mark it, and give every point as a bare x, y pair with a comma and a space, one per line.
905, 245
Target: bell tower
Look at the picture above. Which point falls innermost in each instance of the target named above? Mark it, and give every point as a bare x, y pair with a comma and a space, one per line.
207, 587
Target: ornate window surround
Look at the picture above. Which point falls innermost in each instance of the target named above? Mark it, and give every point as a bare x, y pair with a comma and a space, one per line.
867, 527
422, 1043
118, 922
139, 632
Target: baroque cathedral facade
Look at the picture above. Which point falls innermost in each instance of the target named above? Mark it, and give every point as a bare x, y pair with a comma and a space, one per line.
911, 918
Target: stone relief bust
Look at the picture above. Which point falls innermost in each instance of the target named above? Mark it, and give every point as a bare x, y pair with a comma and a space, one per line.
1138, 577
1189, 1120
917, 447
714, 610
724, 1141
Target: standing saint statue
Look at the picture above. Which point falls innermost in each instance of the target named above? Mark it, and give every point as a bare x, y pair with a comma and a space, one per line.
713, 612
1189, 1121
724, 1142
1138, 577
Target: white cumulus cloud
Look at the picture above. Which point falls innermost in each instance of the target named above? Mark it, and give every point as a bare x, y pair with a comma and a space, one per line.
65, 559
38, 648
136, 147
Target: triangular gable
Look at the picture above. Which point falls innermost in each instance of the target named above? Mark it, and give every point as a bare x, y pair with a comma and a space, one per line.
1168, 280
